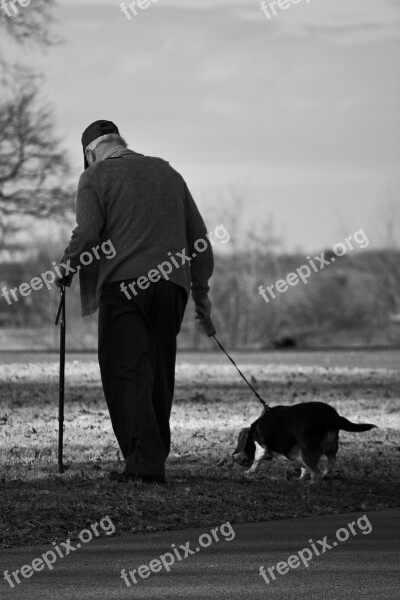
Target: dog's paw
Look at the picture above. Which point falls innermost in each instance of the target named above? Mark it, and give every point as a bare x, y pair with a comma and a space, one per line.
249, 474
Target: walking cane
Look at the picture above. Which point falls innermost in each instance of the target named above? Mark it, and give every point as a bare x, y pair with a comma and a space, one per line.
60, 318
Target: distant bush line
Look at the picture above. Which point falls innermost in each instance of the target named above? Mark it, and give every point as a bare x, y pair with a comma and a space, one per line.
353, 302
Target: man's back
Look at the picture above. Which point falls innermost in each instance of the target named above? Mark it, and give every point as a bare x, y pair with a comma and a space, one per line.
144, 207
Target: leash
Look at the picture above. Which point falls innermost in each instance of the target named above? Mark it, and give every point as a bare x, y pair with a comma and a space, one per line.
257, 395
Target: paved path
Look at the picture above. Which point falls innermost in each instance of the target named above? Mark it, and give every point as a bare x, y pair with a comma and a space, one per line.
364, 566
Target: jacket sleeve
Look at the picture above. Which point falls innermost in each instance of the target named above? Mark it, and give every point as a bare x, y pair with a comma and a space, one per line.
202, 265
90, 219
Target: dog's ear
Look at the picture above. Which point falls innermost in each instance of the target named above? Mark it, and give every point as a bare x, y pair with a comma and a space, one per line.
243, 440
250, 446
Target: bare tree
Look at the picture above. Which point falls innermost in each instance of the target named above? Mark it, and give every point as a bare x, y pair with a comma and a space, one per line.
30, 24
33, 168
31, 163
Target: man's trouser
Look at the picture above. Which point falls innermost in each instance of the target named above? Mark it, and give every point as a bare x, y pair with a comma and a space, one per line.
137, 352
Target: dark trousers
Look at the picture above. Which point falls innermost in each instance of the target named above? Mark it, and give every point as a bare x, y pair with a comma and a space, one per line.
137, 352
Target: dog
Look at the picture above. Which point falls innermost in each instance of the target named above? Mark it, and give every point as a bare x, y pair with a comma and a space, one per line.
301, 433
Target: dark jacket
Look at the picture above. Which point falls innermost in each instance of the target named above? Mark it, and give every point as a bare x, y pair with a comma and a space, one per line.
143, 207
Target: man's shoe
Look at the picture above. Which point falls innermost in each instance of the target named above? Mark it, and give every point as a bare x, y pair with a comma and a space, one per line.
125, 477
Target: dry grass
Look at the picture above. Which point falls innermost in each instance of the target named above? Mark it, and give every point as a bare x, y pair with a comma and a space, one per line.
39, 506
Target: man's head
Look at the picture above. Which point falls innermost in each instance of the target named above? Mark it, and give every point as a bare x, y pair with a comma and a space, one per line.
98, 138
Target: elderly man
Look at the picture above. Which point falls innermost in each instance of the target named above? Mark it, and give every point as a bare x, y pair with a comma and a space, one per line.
145, 209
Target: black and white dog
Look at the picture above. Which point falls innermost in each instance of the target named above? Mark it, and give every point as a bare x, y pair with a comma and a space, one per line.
301, 433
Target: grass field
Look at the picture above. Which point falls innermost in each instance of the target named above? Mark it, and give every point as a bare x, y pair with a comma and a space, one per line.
39, 506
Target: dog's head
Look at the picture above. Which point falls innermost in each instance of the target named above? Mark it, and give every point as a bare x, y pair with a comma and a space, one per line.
246, 448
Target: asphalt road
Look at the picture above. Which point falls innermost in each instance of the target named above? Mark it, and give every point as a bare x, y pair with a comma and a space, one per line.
365, 566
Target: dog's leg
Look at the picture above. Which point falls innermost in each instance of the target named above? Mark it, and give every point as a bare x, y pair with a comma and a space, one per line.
328, 471
303, 473
259, 455
310, 459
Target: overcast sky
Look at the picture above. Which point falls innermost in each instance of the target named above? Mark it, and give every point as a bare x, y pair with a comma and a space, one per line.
299, 115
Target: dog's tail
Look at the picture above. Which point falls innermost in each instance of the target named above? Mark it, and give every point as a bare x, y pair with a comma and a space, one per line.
347, 425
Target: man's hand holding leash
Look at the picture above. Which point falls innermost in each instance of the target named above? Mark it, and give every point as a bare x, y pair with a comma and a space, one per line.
203, 315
